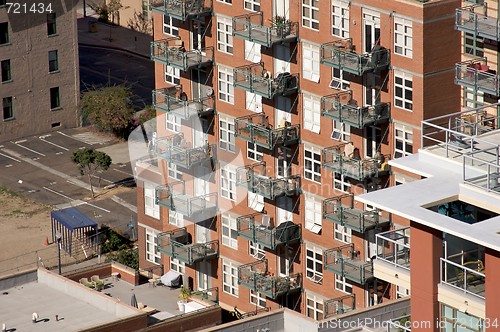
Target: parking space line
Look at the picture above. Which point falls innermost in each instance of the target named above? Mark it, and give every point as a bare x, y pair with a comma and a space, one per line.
114, 169
1, 154
17, 143
42, 138
79, 140
95, 176
71, 199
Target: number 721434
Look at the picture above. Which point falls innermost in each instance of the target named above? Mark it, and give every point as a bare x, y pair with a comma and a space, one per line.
24, 8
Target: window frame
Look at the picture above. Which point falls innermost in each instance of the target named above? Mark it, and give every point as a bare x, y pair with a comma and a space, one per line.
253, 102
340, 82
7, 103
151, 210
340, 131
477, 99
253, 4
51, 24
343, 283
255, 201
405, 142
341, 182
172, 75
256, 153
225, 85
256, 250
56, 61
404, 77
313, 273
225, 31
175, 218
257, 299
307, 20
228, 183
312, 172
58, 98
8, 71
174, 122
6, 33
312, 113
173, 28
227, 140
177, 265
310, 62
342, 233
230, 226
153, 257
342, 17
313, 219
173, 172
405, 48
253, 51
317, 313
232, 274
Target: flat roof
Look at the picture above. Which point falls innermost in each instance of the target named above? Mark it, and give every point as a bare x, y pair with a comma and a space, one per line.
72, 218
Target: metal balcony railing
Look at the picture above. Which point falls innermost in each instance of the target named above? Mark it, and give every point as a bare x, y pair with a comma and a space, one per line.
254, 78
340, 54
340, 305
400, 324
251, 27
343, 261
470, 280
336, 210
476, 74
189, 253
252, 178
472, 19
341, 107
256, 227
341, 158
170, 52
185, 204
176, 103
210, 294
255, 128
254, 312
174, 149
394, 247
255, 276
182, 9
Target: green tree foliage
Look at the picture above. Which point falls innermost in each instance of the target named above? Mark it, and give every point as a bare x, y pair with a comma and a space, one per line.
113, 242
89, 161
125, 256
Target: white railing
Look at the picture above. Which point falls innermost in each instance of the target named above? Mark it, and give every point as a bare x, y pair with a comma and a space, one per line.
393, 247
463, 278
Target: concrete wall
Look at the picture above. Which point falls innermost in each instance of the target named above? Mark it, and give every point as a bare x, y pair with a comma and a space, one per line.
105, 270
18, 279
189, 322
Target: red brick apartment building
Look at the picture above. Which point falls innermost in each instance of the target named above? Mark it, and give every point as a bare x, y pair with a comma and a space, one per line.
272, 116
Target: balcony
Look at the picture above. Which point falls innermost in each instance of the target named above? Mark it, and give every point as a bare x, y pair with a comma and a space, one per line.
340, 305
173, 197
342, 158
472, 19
343, 262
182, 9
175, 102
400, 324
341, 107
255, 128
176, 244
340, 54
256, 277
336, 210
251, 27
252, 178
255, 227
170, 52
254, 78
393, 247
476, 74
174, 149
468, 278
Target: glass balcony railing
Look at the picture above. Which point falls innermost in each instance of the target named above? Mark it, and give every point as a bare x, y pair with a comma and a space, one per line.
400, 324
255, 128
472, 19
254, 78
469, 277
340, 54
394, 247
174, 149
342, 158
256, 227
189, 253
173, 197
343, 262
170, 52
182, 9
256, 277
341, 107
341, 210
175, 103
250, 27
252, 178
476, 74
340, 305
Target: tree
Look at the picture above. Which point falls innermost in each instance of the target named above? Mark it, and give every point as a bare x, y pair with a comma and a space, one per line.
106, 9
140, 23
89, 160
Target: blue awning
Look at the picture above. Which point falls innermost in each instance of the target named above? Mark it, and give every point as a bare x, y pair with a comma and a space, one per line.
72, 219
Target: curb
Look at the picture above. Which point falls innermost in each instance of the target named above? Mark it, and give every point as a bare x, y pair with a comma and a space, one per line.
116, 49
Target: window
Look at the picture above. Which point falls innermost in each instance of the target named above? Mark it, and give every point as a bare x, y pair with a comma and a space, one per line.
342, 233
457, 321
310, 14
226, 89
313, 216
55, 102
53, 62
314, 307
224, 35
257, 299
342, 284
402, 292
175, 218
170, 26
4, 33
229, 231
254, 152
314, 263
172, 75
340, 19
151, 247
6, 73
252, 5
145, 10
51, 24
340, 79
150, 207
312, 113
226, 137
173, 123
253, 102
173, 172
3, 3
403, 86
341, 182
177, 265
473, 45
228, 184
472, 98
252, 51
310, 60
403, 137
403, 40
341, 131
312, 164
255, 201
230, 278
8, 112
256, 250
226, 1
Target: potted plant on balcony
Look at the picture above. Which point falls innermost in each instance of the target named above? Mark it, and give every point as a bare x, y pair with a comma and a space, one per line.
281, 25
184, 296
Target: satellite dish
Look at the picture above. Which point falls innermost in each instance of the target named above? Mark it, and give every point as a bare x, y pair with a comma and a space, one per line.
210, 91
